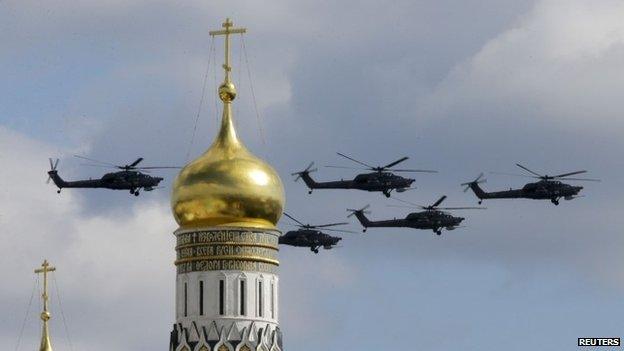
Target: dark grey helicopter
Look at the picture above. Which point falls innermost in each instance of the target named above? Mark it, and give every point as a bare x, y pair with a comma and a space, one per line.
129, 178
381, 179
547, 188
309, 236
431, 218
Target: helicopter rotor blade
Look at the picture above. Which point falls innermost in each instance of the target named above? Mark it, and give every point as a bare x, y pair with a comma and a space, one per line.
341, 231
158, 167
99, 166
291, 217
356, 161
435, 204
568, 174
328, 225
462, 208
514, 175
411, 204
415, 170
133, 164
92, 160
343, 167
392, 164
583, 179
530, 171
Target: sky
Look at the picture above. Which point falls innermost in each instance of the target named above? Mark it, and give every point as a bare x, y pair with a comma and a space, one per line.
461, 87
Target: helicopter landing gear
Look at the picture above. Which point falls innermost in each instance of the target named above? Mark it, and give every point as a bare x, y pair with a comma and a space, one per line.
136, 193
555, 201
58, 191
387, 193
364, 230
315, 251
309, 191
438, 232
480, 201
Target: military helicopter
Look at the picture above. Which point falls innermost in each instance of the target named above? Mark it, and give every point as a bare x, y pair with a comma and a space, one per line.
129, 178
381, 179
308, 236
547, 188
431, 218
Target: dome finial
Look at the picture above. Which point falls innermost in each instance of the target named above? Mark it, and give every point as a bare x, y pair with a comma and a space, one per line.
45, 314
227, 90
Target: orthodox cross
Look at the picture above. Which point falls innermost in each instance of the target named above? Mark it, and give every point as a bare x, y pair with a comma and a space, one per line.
228, 24
45, 269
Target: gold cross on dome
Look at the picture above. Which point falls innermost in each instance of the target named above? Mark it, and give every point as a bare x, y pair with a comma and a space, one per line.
228, 24
45, 269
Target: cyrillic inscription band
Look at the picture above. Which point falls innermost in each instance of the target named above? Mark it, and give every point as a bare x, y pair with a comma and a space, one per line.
231, 249
222, 250
238, 236
223, 265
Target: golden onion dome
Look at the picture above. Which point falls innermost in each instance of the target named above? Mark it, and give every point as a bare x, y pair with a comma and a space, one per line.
227, 185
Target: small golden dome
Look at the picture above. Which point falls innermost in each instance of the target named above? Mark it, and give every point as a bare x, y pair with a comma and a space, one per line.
227, 185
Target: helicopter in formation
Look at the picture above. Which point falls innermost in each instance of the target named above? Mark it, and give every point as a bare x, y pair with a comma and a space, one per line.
310, 236
129, 178
382, 178
547, 188
431, 218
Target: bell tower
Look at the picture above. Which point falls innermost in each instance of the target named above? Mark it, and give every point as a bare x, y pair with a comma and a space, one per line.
227, 203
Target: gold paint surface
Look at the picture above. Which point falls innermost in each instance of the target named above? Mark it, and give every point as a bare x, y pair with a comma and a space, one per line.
227, 185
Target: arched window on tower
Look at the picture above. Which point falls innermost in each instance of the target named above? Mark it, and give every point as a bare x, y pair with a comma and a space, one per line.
242, 296
272, 306
185, 299
222, 297
260, 299
201, 297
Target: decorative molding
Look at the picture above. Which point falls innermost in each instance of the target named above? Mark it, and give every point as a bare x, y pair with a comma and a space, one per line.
228, 338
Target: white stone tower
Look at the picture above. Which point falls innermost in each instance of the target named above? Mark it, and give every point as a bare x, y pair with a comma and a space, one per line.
227, 203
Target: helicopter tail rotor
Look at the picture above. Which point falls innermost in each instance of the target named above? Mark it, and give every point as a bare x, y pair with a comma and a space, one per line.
307, 170
53, 166
478, 180
361, 210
